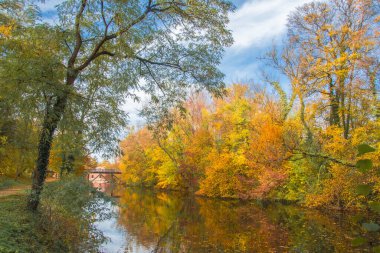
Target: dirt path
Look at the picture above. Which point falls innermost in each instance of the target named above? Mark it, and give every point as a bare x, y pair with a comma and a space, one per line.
19, 189
14, 190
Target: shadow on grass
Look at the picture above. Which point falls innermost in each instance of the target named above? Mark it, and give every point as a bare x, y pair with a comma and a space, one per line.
19, 229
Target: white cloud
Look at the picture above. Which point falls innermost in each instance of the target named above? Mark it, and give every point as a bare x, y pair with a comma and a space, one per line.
132, 108
258, 21
49, 11
49, 5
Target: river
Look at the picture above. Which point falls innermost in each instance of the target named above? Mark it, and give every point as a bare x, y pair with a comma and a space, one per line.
152, 221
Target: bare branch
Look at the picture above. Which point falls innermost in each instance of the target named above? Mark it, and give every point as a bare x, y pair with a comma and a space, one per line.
327, 157
165, 64
68, 46
78, 42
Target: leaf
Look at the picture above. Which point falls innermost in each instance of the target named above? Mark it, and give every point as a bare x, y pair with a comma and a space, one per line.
365, 148
375, 206
364, 165
358, 241
376, 249
371, 227
357, 218
363, 189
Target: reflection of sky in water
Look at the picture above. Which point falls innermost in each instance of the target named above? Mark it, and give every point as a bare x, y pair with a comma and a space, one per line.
118, 239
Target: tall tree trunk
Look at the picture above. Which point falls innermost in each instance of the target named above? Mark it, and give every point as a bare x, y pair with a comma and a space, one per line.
334, 103
63, 165
51, 120
348, 119
309, 134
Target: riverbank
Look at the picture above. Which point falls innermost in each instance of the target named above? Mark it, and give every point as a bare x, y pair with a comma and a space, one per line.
264, 201
19, 228
63, 222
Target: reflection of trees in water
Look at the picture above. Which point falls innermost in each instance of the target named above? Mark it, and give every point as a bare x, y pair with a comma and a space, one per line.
146, 215
166, 222
111, 188
242, 227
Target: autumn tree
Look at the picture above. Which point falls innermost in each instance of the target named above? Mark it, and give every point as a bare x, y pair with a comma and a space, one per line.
153, 46
335, 42
18, 132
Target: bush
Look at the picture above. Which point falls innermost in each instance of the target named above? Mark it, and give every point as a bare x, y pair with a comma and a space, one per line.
68, 211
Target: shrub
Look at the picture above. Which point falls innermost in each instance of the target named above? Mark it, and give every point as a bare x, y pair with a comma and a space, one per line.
69, 208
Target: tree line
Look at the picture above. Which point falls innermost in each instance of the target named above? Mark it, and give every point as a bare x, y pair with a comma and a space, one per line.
295, 141
62, 86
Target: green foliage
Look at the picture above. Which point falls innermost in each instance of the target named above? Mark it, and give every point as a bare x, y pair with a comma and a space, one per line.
19, 230
364, 165
64, 222
69, 208
73, 195
363, 189
375, 206
365, 148
359, 241
6, 182
99, 54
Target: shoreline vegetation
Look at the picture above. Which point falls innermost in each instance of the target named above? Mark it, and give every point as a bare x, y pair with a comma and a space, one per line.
306, 132
61, 224
324, 209
238, 147
24, 184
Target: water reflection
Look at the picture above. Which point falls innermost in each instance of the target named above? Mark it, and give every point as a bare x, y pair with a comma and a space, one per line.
168, 222
110, 189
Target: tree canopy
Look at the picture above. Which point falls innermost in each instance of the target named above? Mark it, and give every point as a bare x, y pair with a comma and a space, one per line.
81, 70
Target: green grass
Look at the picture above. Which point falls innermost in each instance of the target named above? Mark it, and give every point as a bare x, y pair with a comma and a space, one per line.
7, 182
19, 229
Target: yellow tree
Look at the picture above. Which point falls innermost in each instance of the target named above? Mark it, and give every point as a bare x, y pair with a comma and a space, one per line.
136, 162
337, 40
228, 164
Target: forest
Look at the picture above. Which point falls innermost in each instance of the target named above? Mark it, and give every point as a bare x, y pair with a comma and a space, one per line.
304, 133
272, 141
293, 138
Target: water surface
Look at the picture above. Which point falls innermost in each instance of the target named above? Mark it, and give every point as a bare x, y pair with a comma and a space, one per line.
149, 221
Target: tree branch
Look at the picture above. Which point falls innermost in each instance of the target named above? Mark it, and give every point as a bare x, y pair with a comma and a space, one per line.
78, 36
96, 55
95, 52
327, 157
166, 64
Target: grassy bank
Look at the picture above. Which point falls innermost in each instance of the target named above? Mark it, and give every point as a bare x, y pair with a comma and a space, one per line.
64, 221
8, 182
19, 228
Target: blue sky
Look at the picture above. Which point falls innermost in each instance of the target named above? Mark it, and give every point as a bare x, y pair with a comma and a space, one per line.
256, 25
